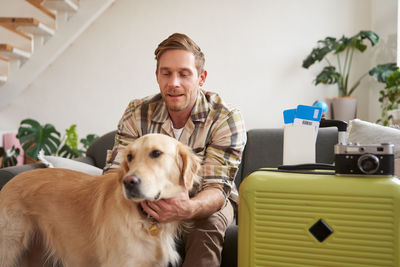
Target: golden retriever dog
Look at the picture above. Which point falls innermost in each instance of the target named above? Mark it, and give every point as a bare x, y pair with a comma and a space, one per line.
84, 220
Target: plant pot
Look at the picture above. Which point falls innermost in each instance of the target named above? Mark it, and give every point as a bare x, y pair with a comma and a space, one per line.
344, 108
395, 116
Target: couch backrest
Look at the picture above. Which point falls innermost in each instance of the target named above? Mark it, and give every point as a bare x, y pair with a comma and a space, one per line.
98, 150
264, 148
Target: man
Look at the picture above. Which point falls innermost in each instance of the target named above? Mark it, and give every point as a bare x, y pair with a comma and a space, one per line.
202, 121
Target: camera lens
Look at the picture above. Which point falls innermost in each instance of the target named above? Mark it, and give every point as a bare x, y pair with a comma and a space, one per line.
368, 163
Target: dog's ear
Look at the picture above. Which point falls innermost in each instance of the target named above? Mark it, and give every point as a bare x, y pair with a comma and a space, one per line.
190, 166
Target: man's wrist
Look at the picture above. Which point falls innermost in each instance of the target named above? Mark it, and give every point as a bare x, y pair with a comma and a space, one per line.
205, 203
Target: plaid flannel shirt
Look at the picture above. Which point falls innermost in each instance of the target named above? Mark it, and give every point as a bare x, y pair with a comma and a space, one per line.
215, 132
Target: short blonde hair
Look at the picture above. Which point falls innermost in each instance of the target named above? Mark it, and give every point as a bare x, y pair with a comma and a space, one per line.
183, 42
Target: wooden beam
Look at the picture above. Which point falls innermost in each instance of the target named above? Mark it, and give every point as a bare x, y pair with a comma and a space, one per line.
10, 52
11, 24
37, 4
22, 26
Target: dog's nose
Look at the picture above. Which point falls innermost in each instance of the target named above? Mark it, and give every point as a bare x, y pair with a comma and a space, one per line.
132, 180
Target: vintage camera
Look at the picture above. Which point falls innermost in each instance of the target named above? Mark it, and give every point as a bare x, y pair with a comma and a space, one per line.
376, 160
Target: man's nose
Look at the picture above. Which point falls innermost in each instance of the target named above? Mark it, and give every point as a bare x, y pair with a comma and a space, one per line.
174, 80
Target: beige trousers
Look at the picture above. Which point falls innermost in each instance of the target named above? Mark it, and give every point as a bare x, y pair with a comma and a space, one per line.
205, 238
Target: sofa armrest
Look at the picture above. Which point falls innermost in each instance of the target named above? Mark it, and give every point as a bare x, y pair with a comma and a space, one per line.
6, 174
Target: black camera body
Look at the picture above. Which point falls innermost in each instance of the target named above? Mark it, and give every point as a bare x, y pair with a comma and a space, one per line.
375, 160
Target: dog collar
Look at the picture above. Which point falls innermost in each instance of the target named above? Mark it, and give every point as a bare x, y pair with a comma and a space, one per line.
153, 229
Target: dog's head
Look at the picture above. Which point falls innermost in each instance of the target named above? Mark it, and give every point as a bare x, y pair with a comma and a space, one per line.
158, 166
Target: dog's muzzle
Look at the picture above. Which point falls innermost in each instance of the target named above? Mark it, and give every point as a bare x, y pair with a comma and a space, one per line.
132, 186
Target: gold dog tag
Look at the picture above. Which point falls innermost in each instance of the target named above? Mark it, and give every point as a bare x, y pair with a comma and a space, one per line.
153, 229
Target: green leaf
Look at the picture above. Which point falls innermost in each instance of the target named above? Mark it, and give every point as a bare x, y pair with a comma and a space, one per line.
328, 76
35, 137
68, 152
90, 138
10, 157
342, 44
318, 53
380, 72
72, 137
370, 35
358, 44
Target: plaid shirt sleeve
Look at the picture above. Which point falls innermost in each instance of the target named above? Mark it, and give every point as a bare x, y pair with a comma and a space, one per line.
224, 152
126, 133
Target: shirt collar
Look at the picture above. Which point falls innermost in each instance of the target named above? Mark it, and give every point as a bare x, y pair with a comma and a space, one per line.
199, 112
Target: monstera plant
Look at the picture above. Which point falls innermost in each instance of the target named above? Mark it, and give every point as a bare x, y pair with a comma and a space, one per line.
339, 55
35, 137
390, 99
339, 67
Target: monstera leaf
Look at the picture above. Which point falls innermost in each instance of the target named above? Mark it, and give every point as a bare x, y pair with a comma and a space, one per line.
380, 72
90, 138
35, 137
68, 152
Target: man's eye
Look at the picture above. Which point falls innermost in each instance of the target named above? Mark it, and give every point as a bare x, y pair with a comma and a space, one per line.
155, 154
129, 157
165, 74
184, 74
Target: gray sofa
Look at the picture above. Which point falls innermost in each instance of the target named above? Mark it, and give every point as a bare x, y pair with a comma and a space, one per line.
263, 149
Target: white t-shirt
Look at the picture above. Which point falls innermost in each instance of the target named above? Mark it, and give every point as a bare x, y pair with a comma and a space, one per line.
177, 132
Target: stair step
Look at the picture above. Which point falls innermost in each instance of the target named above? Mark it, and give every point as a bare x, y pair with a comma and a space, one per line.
61, 5
38, 5
3, 80
9, 52
22, 26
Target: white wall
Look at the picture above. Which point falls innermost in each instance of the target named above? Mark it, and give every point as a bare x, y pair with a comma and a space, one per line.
254, 51
383, 20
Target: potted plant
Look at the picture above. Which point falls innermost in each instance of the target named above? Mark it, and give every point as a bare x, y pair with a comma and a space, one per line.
390, 98
338, 71
8, 157
35, 137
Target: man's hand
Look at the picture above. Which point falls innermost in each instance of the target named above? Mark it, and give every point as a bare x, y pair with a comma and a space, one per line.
182, 207
172, 209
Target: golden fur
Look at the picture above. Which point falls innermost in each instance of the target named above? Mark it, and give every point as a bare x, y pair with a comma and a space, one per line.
84, 220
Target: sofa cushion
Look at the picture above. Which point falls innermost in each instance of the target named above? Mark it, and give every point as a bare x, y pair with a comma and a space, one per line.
64, 163
364, 132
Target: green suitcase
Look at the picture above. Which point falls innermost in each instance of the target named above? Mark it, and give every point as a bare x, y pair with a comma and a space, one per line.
318, 219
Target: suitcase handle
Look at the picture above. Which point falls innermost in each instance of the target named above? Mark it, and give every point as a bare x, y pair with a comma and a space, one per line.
341, 126
313, 166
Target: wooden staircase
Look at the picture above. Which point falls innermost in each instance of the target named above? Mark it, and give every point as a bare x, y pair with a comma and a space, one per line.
69, 18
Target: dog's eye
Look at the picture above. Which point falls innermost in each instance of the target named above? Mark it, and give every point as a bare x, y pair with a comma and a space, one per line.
155, 153
129, 157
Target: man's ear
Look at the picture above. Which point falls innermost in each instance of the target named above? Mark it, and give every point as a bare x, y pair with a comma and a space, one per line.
156, 75
190, 166
203, 77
